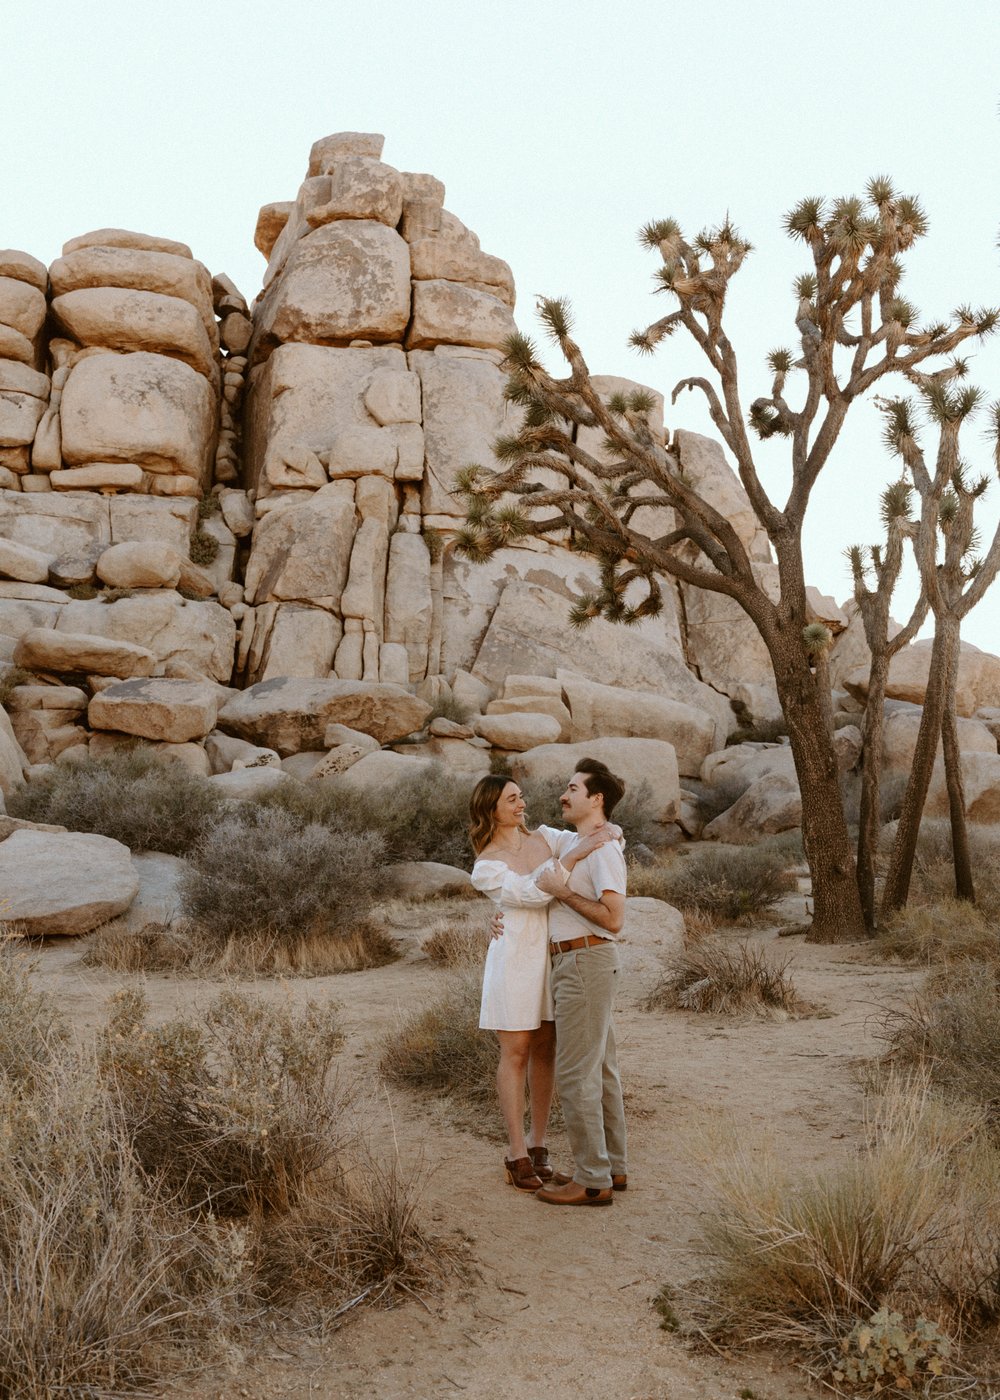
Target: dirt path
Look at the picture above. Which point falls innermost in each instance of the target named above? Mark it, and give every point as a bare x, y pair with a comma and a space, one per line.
560, 1305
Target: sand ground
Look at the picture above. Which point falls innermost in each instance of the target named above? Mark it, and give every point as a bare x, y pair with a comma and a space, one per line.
558, 1303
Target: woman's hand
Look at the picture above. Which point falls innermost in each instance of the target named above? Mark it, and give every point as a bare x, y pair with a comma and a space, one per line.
593, 842
551, 880
496, 925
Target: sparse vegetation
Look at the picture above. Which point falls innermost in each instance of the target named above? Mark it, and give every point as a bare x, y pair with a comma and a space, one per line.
117, 1268
459, 942
12, 677
82, 592
725, 978
208, 506
293, 885
427, 818
729, 884
949, 930
204, 548
447, 707
441, 1050
131, 795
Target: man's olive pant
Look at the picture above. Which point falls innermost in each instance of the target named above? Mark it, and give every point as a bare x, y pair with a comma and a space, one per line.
590, 1090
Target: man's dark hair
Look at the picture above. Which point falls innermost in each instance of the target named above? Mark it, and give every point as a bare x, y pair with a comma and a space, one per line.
598, 778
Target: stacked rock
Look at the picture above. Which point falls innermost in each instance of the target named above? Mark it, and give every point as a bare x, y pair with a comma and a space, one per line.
24, 389
235, 330
137, 344
374, 377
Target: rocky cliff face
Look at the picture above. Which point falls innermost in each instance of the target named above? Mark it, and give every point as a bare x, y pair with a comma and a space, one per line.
199, 492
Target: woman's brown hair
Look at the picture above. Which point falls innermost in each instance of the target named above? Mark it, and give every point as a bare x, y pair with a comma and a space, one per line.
483, 809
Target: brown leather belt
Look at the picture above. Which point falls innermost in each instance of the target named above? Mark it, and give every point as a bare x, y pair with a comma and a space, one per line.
588, 940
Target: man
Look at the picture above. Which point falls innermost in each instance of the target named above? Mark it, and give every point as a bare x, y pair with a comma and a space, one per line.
586, 915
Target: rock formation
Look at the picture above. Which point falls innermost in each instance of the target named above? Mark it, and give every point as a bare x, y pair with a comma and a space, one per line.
227, 530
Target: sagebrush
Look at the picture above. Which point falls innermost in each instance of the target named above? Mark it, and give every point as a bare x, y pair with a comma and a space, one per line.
730, 884
725, 978
131, 795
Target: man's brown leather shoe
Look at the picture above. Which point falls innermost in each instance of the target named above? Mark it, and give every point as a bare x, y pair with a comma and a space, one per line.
618, 1182
571, 1194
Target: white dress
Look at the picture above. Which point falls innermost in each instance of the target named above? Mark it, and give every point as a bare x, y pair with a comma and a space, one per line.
516, 991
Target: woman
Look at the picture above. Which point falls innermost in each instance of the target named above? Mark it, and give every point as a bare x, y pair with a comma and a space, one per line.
517, 1001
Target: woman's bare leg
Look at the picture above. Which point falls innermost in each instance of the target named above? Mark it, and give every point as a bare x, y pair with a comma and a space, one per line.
515, 1053
541, 1080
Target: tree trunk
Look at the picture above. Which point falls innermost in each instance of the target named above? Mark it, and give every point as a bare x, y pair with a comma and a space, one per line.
897, 881
837, 914
870, 818
961, 855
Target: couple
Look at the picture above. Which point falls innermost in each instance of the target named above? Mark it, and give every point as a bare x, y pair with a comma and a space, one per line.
550, 978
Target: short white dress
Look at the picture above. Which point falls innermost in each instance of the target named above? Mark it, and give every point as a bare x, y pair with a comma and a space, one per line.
516, 991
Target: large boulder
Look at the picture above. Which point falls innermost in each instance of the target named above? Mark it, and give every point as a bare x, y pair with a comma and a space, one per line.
377, 775
653, 932
290, 714
13, 760
143, 408
425, 879
637, 761
450, 313
159, 901
55, 883
81, 653
303, 552
139, 564
76, 527
132, 320
138, 270
978, 683
518, 731
347, 280
305, 396
770, 805
181, 632
171, 711
597, 709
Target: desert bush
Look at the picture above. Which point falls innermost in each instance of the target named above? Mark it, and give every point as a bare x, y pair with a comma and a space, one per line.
32, 1030
950, 930
204, 548
459, 942
441, 1050
716, 797
12, 677
951, 1032
259, 877
232, 1113
117, 947
804, 1257
102, 1286
885, 1350
355, 1236
729, 883
132, 796
426, 817
724, 978
447, 707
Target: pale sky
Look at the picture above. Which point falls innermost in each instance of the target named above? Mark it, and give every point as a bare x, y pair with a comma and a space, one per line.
558, 129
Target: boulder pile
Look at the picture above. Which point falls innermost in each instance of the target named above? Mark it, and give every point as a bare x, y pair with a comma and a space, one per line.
226, 530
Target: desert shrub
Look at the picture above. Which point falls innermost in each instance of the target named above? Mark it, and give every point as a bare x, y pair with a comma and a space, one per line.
208, 506
102, 1285
425, 818
204, 548
951, 1032
441, 1050
132, 796
805, 1257
258, 876
724, 978
232, 1113
115, 595
153, 948
459, 942
728, 883
81, 592
447, 707
716, 797
353, 1235
885, 1350
12, 677
949, 930
32, 1030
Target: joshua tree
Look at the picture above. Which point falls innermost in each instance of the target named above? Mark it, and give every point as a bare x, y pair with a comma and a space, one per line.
954, 579
881, 566
853, 330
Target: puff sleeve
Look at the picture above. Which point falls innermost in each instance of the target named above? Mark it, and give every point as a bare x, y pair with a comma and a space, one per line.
507, 889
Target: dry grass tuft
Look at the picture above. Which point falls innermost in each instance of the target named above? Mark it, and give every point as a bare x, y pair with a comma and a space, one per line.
152, 948
951, 1032
948, 930
459, 942
442, 1051
734, 979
